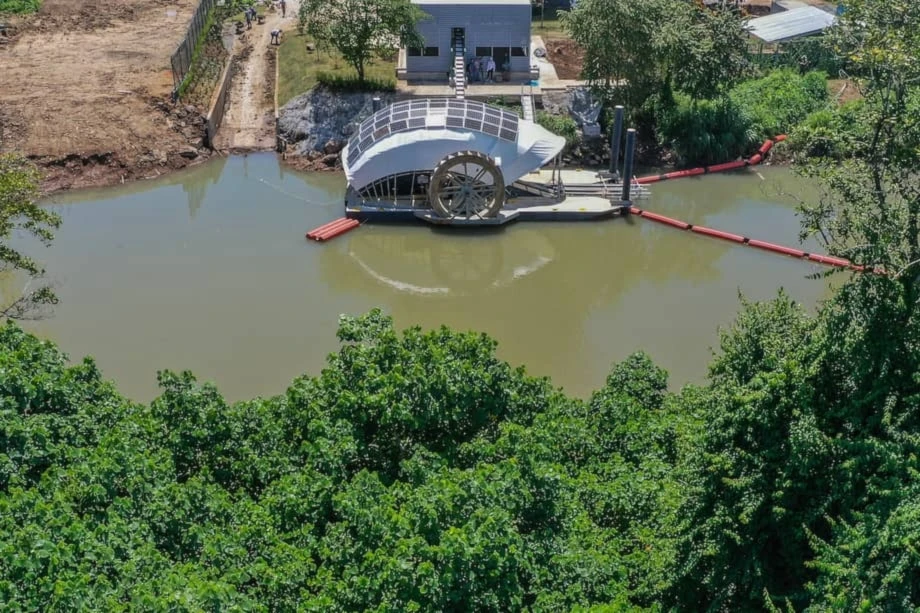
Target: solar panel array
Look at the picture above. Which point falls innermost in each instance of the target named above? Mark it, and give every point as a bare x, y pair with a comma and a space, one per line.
432, 114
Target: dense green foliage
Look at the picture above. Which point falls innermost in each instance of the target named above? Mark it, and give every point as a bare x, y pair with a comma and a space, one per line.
417, 472
19, 7
705, 131
633, 49
20, 214
563, 125
781, 99
708, 131
350, 84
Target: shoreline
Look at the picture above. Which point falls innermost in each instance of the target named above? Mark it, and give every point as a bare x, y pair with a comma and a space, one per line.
75, 171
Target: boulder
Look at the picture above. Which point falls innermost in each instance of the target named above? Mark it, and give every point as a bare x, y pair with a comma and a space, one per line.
333, 146
313, 120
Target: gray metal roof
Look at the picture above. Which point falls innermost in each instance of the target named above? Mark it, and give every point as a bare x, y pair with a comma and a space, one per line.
790, 24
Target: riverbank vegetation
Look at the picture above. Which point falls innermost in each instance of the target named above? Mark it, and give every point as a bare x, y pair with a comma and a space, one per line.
19, 7
302, 65
689, 78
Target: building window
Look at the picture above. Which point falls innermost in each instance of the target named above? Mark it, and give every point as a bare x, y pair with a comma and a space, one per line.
432, 52
483, 51
413, 52
518, 52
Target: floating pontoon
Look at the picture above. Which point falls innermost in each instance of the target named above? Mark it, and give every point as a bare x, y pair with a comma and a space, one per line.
462, 162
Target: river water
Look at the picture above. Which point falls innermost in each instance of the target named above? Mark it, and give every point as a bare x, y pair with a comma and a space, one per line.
208, 270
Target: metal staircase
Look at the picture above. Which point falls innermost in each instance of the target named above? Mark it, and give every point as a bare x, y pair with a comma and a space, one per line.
459, 66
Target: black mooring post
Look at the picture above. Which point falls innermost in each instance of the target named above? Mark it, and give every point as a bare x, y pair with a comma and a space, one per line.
615, 139
628, 162
377, 103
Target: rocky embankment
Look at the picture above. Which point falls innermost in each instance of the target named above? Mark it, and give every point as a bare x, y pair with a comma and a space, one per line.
316, 125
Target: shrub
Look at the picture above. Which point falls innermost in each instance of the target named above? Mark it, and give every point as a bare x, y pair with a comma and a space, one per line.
562, 125
778, 101
19, 7
351, 84
705, 131
832, 133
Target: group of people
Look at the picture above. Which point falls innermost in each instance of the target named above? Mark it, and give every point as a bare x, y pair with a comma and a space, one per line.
480, 69
251, 15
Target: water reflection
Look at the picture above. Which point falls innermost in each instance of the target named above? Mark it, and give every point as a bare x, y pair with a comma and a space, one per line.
209, 270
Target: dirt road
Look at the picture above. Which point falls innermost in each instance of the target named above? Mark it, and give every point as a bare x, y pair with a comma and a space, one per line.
249, 124
84, 85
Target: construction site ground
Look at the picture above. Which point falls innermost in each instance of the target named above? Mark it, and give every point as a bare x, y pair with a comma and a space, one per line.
86, 86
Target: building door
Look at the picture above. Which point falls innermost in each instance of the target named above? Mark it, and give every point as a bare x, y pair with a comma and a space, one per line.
458, 38
502, 56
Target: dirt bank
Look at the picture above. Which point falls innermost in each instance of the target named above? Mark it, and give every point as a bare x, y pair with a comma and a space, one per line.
86, 91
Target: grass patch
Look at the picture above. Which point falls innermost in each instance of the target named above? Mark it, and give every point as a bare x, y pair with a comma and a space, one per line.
299, 69
19, 7
550, 28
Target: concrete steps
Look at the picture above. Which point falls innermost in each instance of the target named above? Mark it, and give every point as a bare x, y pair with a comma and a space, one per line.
528, 107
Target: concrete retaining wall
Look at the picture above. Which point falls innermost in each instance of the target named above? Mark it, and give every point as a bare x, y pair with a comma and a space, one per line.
219, 103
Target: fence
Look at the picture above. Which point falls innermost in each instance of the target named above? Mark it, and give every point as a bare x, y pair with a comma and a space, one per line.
182, 58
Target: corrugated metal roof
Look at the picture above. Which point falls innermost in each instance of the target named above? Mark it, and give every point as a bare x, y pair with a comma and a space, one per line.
473, 2
790, 24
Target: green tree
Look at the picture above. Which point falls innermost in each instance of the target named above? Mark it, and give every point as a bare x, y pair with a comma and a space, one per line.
707, 48
361, 29
636, 49
872, 212
621, 44
763, 467
19, 214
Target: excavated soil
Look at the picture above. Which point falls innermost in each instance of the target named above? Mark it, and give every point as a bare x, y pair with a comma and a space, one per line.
86, 92
566, 56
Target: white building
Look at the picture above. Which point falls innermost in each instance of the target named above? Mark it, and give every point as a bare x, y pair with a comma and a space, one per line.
489, 28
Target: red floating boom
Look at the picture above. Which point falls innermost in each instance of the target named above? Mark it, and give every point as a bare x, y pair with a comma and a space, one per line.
727, 236
726, 166
683, 225
736, 238
796, 253
333, 229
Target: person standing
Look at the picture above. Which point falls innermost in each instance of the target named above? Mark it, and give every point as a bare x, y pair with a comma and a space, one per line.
248, 19
283, 8
491, 68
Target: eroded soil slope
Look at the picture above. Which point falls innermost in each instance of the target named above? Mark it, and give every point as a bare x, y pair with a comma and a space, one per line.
84, 91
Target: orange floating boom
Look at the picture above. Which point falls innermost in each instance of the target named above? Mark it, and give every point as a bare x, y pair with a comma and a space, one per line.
332, 229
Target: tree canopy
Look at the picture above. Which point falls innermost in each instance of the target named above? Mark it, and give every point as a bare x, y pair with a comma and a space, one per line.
634, 49
418, 472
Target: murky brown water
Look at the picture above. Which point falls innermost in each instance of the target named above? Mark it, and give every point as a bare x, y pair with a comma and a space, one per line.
209, 271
